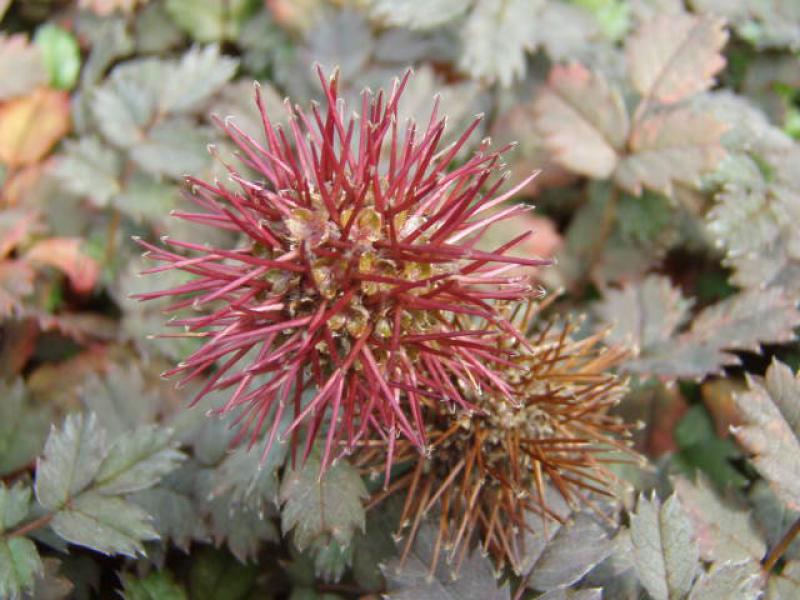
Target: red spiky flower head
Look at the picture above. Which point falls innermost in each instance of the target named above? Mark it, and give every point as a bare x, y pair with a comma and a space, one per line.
357, 278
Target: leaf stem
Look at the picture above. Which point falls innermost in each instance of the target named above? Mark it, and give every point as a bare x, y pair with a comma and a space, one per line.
781, 547
37, 523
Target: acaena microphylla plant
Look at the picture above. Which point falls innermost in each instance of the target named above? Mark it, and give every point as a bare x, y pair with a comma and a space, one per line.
488, 472
356, 269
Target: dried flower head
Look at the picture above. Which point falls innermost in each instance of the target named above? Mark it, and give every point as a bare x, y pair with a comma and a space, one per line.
355, 276
488, 472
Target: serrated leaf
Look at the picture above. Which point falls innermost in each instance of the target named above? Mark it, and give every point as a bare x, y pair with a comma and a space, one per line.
772, 24
14, 505
331, 561
158, 585
646, 314
19, 565
321, 508
665, 552
174, 147
724, 529
61, 55
120, 399
495, 38
583, 119
729, 581
674, 56
173, 513
676, 146
575, 549
146, 198
771, 430
89, 168
418, 15
23, 427
216, 575
107, 524
211, 20
200, 73
243, 528
21, 66
773, 517
739, 322
137, 461
72, 456
124, 106
248, 478
412, 580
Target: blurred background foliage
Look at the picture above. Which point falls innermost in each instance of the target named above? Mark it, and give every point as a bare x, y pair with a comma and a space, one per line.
666, 133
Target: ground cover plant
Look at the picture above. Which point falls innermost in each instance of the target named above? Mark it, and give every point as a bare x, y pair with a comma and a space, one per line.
332, 299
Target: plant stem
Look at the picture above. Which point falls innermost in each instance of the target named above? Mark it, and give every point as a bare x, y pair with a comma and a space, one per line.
780, 547
31, 525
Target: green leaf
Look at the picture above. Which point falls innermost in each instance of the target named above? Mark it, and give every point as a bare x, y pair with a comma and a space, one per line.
331, 561
215, 575
319, 509
61, 55
23, 428
120, 399
771, 430
344, 40
413, 579
19, 565
495, 38
724, 528
15, 503
106, 524
773, 24
583, 119
674, 56
125, 105
773, 516
665, 552
146, 198
174, 147
138, 461
211, 20
248, 478
158, 585
729, 581
573, 551
701, 448
21, 66
72, 457
242, 527
90, 168
418, 15
201, 73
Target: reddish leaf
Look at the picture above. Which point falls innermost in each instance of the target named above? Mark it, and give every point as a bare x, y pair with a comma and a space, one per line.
66, 255
675, 146
31, 125
674, 56
583, 119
